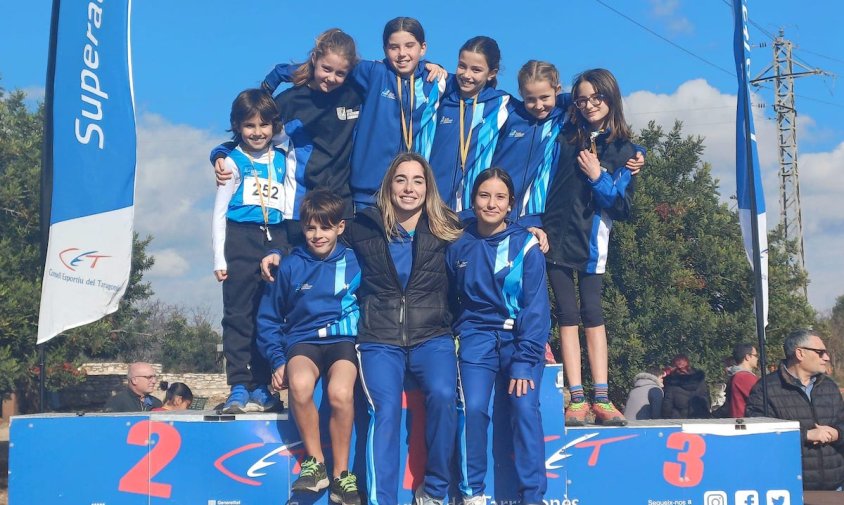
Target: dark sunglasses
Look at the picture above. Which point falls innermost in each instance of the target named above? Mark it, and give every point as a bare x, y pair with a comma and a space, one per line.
820, 352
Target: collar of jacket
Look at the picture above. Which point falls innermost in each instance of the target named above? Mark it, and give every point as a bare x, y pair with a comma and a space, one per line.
373, 215
791, 380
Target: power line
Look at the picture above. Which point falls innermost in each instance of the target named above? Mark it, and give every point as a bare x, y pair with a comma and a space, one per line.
640, 25
722, 69
819, 55
754, 23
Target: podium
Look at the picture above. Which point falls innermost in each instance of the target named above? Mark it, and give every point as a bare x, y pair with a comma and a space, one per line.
204, 458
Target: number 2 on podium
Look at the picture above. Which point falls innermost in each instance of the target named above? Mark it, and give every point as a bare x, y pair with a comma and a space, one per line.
139, 478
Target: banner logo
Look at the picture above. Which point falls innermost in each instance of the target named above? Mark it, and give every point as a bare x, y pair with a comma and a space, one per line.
72, 260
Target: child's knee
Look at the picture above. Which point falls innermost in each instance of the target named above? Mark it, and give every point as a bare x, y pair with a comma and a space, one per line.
300, 390
341, 395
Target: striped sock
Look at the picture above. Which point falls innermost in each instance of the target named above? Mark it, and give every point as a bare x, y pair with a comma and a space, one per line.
602, 393
577, 393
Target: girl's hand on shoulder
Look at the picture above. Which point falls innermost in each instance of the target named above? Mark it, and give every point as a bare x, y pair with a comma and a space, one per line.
589, 164
269, 263
520, 386
220, 275
222, 173
541, 236
435, 72
636, 163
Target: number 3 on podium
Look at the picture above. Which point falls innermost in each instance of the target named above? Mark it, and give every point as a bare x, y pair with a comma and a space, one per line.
692, 448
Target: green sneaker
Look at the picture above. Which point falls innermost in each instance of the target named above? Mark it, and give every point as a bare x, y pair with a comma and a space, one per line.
312, 477
607, 414
576, 413
344, 489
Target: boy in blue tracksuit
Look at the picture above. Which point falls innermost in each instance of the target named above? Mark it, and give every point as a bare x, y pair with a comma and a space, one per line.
307, 325
498, 273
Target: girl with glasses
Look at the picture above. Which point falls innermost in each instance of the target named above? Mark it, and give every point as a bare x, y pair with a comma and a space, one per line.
591, 189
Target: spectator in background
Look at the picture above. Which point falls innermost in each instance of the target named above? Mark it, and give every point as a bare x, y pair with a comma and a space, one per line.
686, 392
800, 391
178, 396
137, 397
742, 379
645, 399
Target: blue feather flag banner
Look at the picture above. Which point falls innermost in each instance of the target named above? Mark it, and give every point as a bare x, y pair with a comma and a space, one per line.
751, 197
88, 174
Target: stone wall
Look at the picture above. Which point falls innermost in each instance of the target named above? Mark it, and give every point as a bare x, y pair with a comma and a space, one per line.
104, 379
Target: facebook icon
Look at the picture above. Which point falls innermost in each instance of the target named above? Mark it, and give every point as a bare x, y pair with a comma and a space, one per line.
747, 498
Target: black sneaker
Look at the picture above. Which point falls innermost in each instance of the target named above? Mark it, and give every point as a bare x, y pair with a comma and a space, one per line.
344, 489
312, 477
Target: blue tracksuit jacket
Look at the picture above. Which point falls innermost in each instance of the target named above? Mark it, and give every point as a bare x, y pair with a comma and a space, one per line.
378, 138
484, 121
528, 151
379, 130
312, 300
500, 284
503, 324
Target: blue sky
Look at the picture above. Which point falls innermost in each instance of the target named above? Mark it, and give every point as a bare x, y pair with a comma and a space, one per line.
191, 58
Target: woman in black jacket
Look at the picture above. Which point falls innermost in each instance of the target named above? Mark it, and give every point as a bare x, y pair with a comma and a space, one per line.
405, 324
686, 392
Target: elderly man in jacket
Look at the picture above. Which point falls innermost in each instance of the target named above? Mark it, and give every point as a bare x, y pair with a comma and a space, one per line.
801, 391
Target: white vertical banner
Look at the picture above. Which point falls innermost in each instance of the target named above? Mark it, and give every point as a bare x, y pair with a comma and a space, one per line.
749, 191
89, 170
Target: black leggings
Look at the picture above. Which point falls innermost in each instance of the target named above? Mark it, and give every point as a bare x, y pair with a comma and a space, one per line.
590, 286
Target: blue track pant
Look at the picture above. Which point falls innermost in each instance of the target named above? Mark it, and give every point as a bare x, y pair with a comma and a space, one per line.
433, 364
484, 363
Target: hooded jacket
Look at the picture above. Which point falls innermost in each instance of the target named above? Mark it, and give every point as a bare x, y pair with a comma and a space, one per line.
580, 213
823, 464
379, 131
645, 399
391, 314
686, 396
738, 389
500, 285
378, 138
312, 300
483, 118
529, 152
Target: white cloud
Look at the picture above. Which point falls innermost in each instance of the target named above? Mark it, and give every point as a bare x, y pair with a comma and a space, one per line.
34, 93
668, 12
168, 263
174, 195
707, 112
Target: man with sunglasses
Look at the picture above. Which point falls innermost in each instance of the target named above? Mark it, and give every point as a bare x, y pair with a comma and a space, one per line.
137, 396
801, 391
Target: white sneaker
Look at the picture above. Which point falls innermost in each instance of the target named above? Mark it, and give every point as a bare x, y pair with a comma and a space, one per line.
475, 500
420, 497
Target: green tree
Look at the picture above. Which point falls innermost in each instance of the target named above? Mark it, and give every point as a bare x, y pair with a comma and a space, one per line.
21, 268
832, 329
678, 280
20, 161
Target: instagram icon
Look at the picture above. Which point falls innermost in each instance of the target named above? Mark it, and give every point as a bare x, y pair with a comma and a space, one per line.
715, 498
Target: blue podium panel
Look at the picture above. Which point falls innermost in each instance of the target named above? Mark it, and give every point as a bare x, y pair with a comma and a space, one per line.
691, 462
204, 458
208, 459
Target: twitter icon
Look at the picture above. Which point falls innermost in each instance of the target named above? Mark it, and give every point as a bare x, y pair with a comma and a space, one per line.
778, 497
